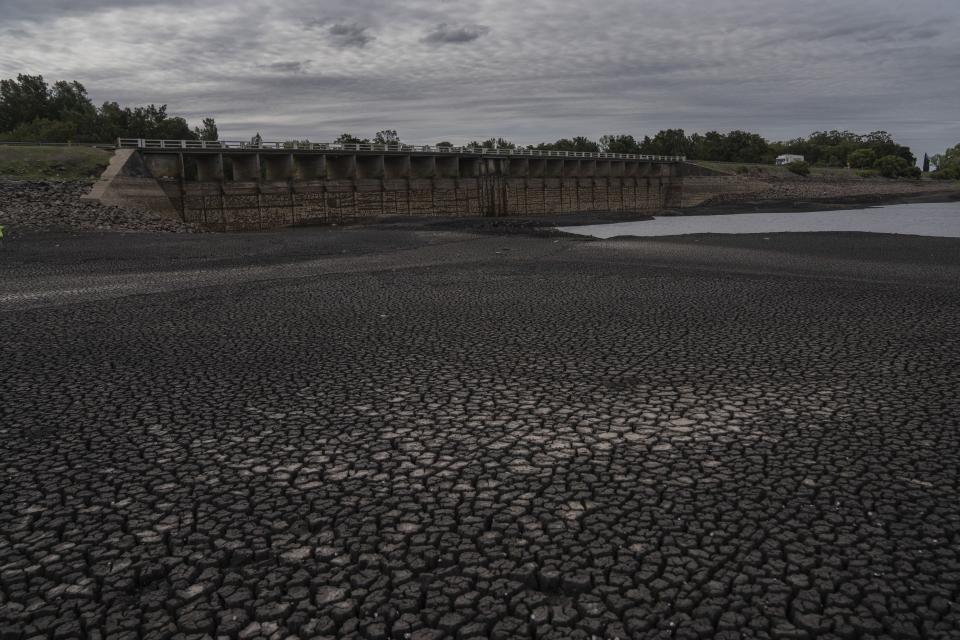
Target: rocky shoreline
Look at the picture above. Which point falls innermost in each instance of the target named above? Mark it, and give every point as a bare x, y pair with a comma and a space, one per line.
751, 193
57, 206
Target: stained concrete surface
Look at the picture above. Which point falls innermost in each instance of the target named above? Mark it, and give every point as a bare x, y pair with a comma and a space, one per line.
432, 433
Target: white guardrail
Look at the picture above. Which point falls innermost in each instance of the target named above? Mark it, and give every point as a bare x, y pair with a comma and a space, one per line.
141, 143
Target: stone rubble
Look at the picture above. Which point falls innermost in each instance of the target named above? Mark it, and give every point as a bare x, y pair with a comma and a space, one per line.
42, 205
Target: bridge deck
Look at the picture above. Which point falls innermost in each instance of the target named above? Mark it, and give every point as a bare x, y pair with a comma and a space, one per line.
220, 146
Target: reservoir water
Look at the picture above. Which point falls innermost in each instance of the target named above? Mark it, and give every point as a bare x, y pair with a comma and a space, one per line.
941, 219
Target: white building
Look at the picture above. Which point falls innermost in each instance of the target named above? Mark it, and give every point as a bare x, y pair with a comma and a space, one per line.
787, 158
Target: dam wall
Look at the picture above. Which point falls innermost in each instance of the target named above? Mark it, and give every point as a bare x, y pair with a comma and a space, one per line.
245, 189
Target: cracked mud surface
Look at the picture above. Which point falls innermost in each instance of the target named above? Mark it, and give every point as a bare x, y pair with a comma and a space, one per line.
432, 434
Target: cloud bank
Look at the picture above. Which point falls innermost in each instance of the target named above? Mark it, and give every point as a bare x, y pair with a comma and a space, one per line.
448, 34
528, 71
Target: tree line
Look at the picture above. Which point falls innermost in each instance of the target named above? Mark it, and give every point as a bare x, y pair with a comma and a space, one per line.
873, 151
32, 110
947, 164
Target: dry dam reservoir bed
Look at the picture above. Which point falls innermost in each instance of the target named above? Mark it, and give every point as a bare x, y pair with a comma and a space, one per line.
404, 432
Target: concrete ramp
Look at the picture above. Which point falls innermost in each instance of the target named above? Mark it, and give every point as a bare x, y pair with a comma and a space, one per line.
126, 182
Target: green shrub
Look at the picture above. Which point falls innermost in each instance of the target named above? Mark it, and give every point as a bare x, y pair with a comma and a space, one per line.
42, 130
914, 173
799, 167
868, 173
948, 164
892, 166
862, 158
947, 173
742, 169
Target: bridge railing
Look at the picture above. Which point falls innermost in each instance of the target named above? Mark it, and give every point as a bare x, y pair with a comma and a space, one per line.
141, 143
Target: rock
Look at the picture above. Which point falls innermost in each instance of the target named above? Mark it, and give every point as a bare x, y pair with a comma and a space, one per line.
36, 206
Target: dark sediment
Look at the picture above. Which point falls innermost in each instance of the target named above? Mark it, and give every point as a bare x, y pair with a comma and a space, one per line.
418, 432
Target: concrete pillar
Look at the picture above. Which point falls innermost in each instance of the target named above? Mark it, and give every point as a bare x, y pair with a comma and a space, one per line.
469, 167
209, 168
494, 166
308, 167
341, 167
536, 167
162, 165
370, 167
601, 168
396, 167
246, 167
519, 167
571, 168
617, 168
447, 167
423, 166
553, 168
277, 168
631, 168
588, 168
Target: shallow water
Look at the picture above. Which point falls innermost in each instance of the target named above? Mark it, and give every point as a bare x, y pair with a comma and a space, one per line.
940, 219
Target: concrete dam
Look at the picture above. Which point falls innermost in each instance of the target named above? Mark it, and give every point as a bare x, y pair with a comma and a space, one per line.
241, 186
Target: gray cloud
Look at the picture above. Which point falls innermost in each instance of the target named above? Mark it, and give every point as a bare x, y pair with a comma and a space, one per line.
292, 66
34, 11
449, 34
537, 70
349, 34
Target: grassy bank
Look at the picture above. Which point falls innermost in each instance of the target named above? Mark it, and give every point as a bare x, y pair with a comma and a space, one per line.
52, 163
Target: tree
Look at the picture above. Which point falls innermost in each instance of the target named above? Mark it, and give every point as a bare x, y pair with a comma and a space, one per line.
445, 144
862, 158
69, 99
208, 132
30, 109
256, 140
883, 144
577, 143
387, 136
584, 144
173, 128
494, 143
744, 146
42, 130
563, 144
926, 163
622, 143
23, 100
348, 138
736, 146
948, 164
799, 167
669, 142
833, 148
893, 166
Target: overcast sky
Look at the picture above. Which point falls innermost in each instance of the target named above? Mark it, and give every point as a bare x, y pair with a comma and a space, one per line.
530, 70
